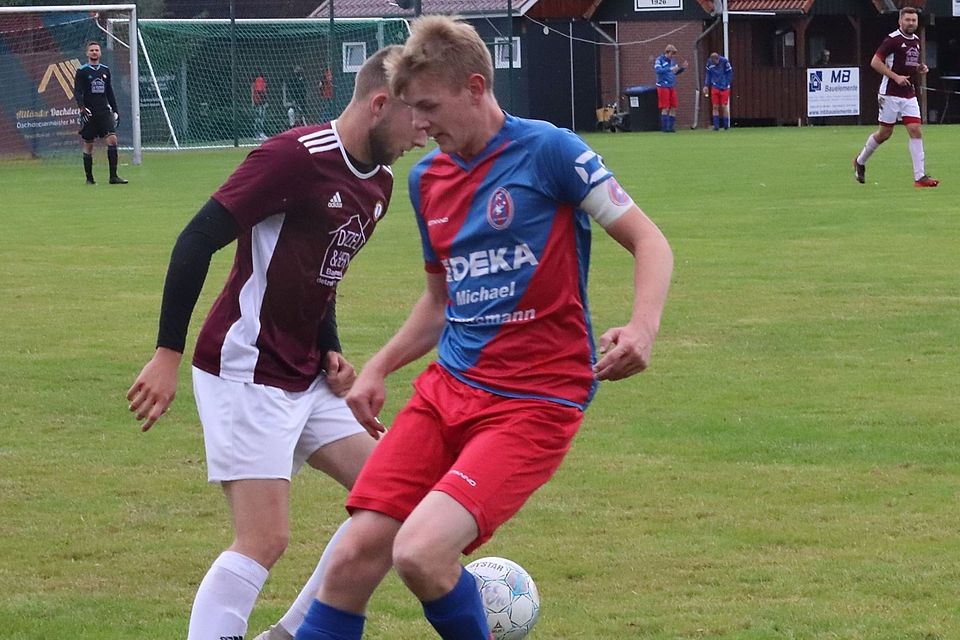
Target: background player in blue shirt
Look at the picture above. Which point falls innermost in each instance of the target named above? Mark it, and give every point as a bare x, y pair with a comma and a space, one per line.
93, 89
505, 208
716, 86
667, 71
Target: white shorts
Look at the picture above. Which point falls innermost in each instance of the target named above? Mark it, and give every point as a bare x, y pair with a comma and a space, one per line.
893, 108
257, 431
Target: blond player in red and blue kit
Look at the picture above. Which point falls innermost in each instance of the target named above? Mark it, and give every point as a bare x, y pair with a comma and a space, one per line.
898, 60
505, 207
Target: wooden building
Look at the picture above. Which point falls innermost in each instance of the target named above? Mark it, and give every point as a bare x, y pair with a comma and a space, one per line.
571, 57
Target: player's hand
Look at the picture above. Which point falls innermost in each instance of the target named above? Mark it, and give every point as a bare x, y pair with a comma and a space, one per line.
684, 64
706, 92
340, 373
84, 117
366, 399
154, 389
902, 80
624, 352
923, 68
116, 118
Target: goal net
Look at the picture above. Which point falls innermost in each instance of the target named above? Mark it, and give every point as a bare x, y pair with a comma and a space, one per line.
41, 49
216, 83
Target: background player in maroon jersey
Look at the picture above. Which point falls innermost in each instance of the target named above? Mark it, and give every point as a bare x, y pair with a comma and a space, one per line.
267, 370
899, 61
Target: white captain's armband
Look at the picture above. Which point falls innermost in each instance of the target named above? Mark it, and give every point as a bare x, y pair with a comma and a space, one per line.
606, 202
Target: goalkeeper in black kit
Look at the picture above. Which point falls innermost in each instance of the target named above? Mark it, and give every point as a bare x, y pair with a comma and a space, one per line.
98, 111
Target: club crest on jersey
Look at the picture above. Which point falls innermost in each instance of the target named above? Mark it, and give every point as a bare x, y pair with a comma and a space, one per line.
378, 210
345, 241
617, 195
500, 209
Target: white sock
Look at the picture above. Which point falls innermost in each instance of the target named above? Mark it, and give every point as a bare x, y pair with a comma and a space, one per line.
294, 616
226, 597
868, 149
916, 154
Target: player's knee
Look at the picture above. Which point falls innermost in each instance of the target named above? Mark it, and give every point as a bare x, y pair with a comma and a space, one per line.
354, 561
413, 564
264, 547
416, 558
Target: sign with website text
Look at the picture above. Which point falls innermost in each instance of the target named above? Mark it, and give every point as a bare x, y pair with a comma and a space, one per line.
833, 91
663, 5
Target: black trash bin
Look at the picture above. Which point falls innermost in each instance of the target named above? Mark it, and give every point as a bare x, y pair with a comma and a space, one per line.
644, 114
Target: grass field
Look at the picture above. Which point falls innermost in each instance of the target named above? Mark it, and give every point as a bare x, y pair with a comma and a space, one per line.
788, 468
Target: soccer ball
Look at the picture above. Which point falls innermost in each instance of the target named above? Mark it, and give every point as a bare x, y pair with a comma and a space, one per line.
509, 596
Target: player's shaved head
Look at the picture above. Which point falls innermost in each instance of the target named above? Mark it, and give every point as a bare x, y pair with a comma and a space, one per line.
372, 76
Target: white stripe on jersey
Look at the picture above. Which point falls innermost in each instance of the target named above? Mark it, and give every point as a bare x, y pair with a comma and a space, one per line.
319, 141
316, 134
239, 351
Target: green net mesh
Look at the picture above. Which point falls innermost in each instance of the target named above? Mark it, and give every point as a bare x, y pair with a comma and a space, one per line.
207, 83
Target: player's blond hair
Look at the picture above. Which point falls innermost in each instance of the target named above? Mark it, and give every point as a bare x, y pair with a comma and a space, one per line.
444, 48
372, 76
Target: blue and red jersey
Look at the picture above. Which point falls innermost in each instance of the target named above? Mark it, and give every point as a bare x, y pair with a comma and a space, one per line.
506, 230
719, 74
666, 76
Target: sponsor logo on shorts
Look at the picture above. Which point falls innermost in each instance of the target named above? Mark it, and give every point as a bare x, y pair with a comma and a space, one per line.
470, 481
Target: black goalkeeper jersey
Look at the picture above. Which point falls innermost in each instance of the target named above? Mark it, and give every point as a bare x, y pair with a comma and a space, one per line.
93, 89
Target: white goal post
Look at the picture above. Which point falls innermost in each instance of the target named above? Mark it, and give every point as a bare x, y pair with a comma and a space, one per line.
39, 121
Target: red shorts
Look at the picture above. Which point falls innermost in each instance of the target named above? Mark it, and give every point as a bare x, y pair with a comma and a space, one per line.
719, 96
666, 98
487, 452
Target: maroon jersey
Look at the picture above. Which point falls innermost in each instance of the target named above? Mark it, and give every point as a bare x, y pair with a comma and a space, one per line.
902, 54
304, 210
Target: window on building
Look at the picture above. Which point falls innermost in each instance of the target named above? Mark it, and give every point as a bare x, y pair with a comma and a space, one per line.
354, 55
785, 48
501, 52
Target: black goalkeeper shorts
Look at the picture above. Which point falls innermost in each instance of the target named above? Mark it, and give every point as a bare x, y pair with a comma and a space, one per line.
99, 125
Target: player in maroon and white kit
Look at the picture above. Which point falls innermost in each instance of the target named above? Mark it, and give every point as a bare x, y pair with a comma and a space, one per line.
898, 60
267, 370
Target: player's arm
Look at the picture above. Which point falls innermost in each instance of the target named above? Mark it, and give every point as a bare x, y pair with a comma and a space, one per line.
338, 371
416, 337
111, 99
626, 350
878, 65
79, 93
210, 230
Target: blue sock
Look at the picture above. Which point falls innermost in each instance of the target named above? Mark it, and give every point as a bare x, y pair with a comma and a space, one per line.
324, 622
716, 123
671, 121
726, 123
664, 122
459, 615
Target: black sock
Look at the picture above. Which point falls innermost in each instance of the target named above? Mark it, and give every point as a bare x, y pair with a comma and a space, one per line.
88, 165
112, 159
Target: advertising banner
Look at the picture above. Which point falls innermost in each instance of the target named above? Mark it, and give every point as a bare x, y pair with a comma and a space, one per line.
833, 91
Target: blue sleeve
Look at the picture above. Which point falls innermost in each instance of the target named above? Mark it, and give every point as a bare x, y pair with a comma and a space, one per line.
571, 168
413, 186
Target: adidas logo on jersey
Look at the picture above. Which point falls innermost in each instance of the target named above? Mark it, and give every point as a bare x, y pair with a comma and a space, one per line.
335, 202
